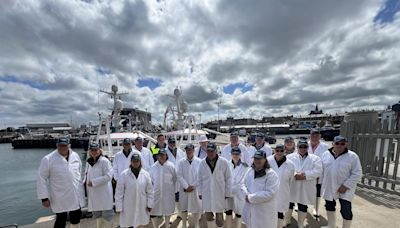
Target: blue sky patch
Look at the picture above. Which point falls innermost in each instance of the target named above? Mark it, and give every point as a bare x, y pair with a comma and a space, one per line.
33, 84
243, 86
103, 70
151, 83
387, 13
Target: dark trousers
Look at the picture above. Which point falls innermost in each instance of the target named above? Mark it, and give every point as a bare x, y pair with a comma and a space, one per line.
345, 208
281, 215
318, 190
61, 218
301, 207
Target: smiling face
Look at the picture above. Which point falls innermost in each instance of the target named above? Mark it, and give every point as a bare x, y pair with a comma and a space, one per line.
162, 158
339, 147
259, 163
94, 153
127, 146
303, 148
63, 149
135, 163
315, 137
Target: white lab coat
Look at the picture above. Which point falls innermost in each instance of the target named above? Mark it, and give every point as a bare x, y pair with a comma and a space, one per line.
174, 160
215, 186
200, 153
346, 170
120, 163
261, 211
286, 176
146, 157
304, 191
321, 148
266, 148
164, 182
132, 197
100, 195
245, 156
187, 174
60, 181
236, 202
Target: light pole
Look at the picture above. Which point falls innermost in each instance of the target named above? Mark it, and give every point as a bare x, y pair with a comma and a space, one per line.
218, 104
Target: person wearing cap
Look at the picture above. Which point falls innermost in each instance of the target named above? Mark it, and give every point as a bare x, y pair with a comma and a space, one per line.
236, 203
163, 176
290, 145
260, 144
160, 144
308, 168
97, 180
215, 185
318, 148
145, 154
201, 150
234, 142
59, 184
122, 159
342, 172
187, 174
259, 190
134, 195
285, 170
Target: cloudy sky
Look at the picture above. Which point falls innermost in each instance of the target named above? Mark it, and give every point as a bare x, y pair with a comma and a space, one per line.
259, 58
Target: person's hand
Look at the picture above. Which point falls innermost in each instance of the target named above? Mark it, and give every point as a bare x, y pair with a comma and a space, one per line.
342, 189
190, 189
46, 203
300, 176
148, 209
89, 184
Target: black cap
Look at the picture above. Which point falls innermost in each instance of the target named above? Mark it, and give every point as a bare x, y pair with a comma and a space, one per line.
279, 147
135, 157
162, 151
127, 141
339, 138
260, 154
189, 146
63, 141
302, 142
171, 140
139, 138
289, 139
315, 131
94, 146
211, 146
260, 135
234, 134
236, 150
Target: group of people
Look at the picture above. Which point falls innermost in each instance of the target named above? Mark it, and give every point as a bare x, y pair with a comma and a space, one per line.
257, 185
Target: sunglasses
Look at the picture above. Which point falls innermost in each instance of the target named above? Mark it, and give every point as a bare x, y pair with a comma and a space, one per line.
341, 144
279, 150
303, 147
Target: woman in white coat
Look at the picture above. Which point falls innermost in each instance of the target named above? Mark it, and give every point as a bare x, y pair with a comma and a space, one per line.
134, 195
189, 201
97, 180
236, 202
163, 175
285, 170
259, 190
308, 168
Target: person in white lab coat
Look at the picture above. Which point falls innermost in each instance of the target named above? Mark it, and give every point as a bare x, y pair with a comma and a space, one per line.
59, 184
201, 150
122, 159
342, 172
290, 145
315, 146
260, 144
234, 142
163, 175
285, 170
134, 196
97, 180
215, 185
260, 190
145, 154
308, 168
236, 202
189, 201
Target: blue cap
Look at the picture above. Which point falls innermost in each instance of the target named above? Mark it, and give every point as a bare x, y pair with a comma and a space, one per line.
189, 146
127, 141
260, 135
234, 134
211, 146
162, 151
260, 154
315, 131
171, 140
94, 146
236, 150
280, 147
63, 141
302, 142
139, 138
135, 157
339, 138
289, 139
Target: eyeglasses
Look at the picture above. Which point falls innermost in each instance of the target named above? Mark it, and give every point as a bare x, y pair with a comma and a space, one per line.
303, 147
341, 144
279, 150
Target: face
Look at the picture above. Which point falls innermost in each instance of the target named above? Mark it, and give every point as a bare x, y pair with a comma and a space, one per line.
279, 152
189, 152
139, 144
161, 140
127, 146
203, 144
289, 145
172, 145
135, 164
315, 137
235, 157
94, 153
234, 140
211, 153
303, 149
259, 163
339, 146
63, 149
162, 158
259, 140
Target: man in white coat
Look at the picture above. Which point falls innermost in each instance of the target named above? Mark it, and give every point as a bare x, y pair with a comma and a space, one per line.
59, 184
163, 175
260, 144
145, 154
260, 188
234, 142
201, 150
290, 145
342, 172
285, 170
134, 197
215, 185
122, 159
189, 201
308, 168
97, 180
315, 146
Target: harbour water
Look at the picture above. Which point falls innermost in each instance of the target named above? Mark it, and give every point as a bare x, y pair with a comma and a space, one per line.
18, 170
